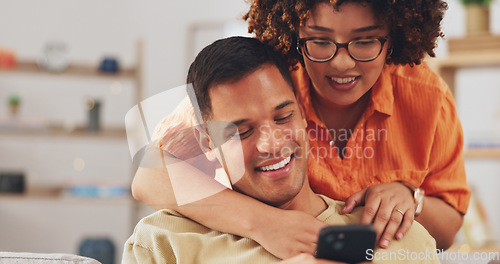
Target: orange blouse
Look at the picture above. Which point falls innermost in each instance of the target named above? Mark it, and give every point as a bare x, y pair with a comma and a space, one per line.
410, 131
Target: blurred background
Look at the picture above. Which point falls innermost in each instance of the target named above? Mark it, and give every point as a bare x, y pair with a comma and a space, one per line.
70, 70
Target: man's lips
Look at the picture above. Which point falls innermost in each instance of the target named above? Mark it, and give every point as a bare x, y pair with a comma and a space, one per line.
274, 164
277, 170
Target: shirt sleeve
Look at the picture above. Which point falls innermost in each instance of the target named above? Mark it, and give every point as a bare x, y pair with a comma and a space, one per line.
446, 178
144, 247
134, 253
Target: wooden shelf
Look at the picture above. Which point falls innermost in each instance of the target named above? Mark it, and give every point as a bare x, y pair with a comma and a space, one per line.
481, 153
56, 194
477, 52
469, 60
480, 43
72, 70
61, 132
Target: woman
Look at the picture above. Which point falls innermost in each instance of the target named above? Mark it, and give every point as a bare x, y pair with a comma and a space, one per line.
377, 126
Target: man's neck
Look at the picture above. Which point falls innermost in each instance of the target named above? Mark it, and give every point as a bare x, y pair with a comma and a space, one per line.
306, 201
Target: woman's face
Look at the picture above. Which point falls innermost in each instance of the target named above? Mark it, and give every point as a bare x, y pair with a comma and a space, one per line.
343, 80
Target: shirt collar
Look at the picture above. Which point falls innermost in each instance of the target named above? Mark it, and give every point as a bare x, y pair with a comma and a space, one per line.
382, 98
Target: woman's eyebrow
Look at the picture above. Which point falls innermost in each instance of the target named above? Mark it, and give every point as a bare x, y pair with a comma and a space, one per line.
367, 29
357, 30
320, 28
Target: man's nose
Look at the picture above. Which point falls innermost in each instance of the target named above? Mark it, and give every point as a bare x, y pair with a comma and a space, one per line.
271, 139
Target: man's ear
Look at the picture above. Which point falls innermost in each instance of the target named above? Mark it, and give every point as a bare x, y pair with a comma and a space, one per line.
301, 109
205, 143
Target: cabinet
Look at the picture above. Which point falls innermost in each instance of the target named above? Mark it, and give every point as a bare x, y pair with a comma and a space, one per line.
46, 218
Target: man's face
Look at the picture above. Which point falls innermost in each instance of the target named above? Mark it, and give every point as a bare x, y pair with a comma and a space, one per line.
268, 131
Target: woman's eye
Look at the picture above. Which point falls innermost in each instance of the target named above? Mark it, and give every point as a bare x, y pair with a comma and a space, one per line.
321, 42
364, 42
284, 119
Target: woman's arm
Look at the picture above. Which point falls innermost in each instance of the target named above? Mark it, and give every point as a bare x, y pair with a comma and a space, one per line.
283, 233
442, 228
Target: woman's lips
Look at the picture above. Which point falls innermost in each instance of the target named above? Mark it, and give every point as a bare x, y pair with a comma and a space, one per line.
343, 83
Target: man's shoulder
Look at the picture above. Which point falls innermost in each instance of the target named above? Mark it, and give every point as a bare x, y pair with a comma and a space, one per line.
418, 235
151, 239
417, 246
169, 221
333, 216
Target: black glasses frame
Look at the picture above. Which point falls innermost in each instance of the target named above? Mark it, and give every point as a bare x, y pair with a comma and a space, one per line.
302, 41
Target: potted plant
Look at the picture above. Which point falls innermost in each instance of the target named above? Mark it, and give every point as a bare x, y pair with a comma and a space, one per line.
478, 16
14, 102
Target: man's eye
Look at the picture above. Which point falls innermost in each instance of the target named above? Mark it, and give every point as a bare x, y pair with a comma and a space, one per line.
241, 134
283, 119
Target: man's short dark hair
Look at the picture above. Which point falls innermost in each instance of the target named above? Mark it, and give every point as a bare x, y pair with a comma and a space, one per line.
230, 60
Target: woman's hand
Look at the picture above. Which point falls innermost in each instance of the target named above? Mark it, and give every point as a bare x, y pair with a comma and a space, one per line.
305, 258
292, 233
389, 206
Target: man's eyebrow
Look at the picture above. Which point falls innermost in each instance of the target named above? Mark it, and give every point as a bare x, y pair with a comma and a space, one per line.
242, 121
237, 123
284, 104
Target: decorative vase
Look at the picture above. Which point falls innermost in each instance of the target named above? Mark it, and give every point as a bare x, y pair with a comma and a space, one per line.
478, 19
13, 109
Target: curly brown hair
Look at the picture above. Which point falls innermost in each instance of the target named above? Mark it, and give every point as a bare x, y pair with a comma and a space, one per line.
414, 25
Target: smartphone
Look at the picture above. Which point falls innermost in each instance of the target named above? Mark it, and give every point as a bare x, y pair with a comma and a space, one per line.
348, 243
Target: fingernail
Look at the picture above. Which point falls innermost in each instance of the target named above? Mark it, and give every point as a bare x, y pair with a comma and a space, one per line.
384, 243
399, 236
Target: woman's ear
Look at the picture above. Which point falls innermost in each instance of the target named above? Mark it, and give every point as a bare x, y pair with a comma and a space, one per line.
205, 143
389, 51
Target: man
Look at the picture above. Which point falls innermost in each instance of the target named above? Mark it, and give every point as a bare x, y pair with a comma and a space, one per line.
244, 88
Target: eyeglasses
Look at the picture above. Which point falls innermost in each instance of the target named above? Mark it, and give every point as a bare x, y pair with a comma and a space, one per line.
323, 50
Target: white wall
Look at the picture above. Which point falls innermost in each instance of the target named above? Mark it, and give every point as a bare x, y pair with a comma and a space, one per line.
165, 31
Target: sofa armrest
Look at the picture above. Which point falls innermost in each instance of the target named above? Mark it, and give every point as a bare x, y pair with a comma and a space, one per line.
40, 258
